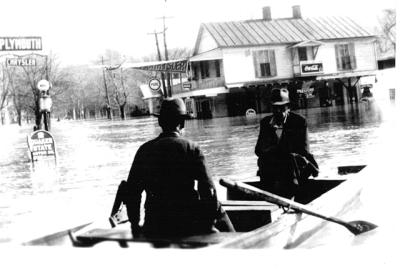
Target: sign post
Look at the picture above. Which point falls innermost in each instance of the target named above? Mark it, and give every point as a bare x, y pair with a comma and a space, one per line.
41, 145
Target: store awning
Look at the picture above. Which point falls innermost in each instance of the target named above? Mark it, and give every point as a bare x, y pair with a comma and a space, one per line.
346, 75
211, 92
258, 83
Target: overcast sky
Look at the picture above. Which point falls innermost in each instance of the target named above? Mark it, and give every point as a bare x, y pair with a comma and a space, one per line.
78, 31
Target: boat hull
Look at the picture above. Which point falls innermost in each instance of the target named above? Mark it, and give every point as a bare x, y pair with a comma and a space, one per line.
259, 224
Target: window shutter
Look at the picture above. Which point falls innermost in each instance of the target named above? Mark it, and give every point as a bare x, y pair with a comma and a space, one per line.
352, 56
295, 57
272, 63
256, 61
338, 58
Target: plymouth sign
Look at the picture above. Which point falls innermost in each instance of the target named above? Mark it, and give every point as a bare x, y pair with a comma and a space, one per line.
311, 68
13, 43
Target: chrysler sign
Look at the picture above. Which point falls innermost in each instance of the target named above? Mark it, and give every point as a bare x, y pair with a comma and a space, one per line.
20, 61
311, 68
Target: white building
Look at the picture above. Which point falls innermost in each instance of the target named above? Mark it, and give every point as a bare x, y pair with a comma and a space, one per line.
235, 64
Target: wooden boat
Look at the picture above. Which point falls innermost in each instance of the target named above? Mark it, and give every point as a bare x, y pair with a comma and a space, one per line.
258, 223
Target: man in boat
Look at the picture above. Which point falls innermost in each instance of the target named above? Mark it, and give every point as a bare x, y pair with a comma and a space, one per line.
180, 196
282, 148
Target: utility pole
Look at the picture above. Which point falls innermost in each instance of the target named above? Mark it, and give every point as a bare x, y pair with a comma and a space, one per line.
166, 55
160, 59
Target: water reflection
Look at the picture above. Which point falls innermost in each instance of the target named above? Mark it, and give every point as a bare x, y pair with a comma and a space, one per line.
93, 156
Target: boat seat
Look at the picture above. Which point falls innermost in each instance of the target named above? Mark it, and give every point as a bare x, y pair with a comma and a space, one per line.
248, 215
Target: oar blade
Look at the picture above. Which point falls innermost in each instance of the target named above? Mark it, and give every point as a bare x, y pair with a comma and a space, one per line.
360, 226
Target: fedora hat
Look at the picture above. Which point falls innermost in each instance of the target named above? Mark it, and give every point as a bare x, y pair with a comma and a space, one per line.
172, 108
280, 96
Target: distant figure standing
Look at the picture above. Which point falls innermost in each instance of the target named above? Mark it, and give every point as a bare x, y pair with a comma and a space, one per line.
284, 159
180, 196
366, 94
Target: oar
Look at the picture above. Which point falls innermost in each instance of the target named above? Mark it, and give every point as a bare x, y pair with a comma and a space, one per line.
356, 227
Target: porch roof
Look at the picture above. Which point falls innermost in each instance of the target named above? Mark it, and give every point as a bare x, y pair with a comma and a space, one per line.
306, 44
211, 92
257, 83
209, 55
347, 75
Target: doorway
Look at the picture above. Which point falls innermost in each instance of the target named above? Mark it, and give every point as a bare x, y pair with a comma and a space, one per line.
338, 93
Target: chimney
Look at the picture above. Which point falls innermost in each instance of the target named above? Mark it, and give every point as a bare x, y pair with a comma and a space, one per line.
296, 12
266, 13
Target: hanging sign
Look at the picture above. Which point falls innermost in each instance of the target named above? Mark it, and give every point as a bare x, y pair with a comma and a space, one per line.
14, 43
307, 89
155, 84
311, 68
41, 145
179, 66
187, 85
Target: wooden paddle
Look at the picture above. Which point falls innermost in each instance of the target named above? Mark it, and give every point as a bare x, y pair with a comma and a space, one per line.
356, 227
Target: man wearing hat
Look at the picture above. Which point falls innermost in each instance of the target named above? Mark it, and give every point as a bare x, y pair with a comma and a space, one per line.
180, 195
284, 159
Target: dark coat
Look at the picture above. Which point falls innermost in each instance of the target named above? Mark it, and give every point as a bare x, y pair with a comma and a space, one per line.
275, 155
168, 168
294, 136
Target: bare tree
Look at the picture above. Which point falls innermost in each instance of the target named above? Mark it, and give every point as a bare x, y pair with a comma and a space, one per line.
80, 98
120, 94
387, 31
4, 92
21, 100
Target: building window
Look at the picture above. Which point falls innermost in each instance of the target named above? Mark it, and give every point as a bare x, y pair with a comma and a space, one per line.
204, 69
302, 53
264, 63
265, 69
189, 106
217, 69
345, 57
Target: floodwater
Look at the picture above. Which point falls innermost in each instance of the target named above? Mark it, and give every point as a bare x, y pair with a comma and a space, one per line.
94, 156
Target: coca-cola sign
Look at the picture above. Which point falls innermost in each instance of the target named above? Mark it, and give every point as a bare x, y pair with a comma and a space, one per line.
311, 68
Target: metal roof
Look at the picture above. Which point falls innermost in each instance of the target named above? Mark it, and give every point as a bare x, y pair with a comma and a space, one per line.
283, 31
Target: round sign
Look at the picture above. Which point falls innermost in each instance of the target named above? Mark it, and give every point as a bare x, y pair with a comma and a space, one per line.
43, 85
154, 84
